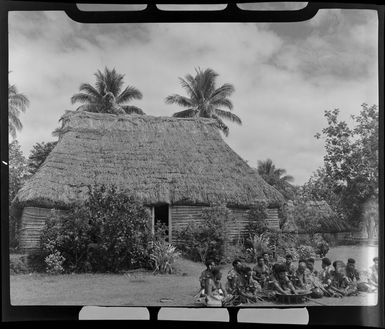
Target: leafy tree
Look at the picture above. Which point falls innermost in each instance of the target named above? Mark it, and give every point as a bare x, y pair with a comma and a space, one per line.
17, 168
17, 103
350, 169
277, 177
38, 155
320, 187
204, 99
107, 95
370, 218
17, 175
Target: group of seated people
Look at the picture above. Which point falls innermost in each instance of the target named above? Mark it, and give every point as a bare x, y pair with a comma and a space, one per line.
267, 279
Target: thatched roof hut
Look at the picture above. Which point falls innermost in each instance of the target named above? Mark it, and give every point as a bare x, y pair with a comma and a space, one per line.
330, 223
182, 164
162, 159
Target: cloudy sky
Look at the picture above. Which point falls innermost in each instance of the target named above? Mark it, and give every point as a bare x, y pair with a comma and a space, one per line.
285, 74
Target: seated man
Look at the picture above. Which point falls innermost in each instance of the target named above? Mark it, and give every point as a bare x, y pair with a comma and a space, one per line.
373, 275
206, 275
301, 279
249, 290
281, 282
341, 284
233, 276
310, 265
354, 276
268, 262
325, 276
261, 272
215, 293
290, 267
351, 271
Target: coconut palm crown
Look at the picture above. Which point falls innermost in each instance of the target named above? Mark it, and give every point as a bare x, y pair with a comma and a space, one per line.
17, 103
271, 174
107, 95
204, 99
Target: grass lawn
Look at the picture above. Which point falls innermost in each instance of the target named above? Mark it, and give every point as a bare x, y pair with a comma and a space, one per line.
143, 288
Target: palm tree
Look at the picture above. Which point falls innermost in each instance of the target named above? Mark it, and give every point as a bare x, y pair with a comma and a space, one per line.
276, 177
204, 99
271, 174
107, 95
17, 103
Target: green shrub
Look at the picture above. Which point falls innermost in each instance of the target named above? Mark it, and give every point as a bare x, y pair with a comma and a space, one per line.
17, 265
234, 251
54, 263
109, 233
209, 238
303, 239
36, 262
282, 243
258, 223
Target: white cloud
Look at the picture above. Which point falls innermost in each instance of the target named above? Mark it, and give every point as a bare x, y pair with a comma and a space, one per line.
283, 82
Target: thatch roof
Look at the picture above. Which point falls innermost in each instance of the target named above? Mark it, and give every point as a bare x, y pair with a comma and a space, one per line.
330, 221
161, 159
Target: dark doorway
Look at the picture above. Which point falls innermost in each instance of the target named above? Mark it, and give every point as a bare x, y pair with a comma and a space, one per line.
161, 217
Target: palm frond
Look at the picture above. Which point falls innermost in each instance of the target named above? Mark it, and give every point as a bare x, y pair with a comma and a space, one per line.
129, 109
83, 98
190, 113
14, 124
12, 89
279, 172
100, 84
113, 81
89, 107
14, 119
266, 167
189, 84
128, 94
17, 103
178, 99
222, 102
89, 90
287, 178
221, 125
228, 116
223, 91
56, 132
16, 99
206, 82
12, 131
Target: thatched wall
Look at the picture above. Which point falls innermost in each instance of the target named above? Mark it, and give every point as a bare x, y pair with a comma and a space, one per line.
330, 221
160, 159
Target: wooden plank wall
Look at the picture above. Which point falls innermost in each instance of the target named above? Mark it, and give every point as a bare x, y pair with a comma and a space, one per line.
32, 223
181, 216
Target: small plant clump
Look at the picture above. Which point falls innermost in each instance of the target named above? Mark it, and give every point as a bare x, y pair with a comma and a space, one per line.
163, 255
207, 239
